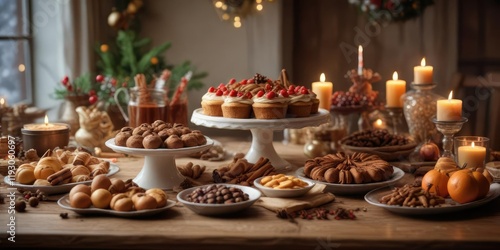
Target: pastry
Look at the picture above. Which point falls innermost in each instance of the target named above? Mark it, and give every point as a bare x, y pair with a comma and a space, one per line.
25, 174
80, 178
237, 105
212, 101
174, 141
152, 141
270, 105
345, 168
81, 158
80, 170
300, 102
199, 137
135, 141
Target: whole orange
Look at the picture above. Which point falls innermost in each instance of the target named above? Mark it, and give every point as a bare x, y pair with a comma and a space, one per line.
483, 184
463, 187
437, 182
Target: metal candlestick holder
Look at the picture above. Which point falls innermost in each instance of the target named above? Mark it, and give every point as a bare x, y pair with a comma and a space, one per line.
396, 115
449, 129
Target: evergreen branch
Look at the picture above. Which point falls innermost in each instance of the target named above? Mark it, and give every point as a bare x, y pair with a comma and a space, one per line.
145, 61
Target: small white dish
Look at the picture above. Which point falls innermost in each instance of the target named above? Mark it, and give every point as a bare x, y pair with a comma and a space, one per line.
283, 193
219, 209
494, 168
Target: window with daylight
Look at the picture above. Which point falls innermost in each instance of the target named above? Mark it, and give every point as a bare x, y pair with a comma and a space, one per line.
15, 52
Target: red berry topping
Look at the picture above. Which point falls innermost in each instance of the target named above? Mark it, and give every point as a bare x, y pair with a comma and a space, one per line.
93, 99
231, 81
226, 92
291, 92
284, 93
304, 91
250, 80
65, 80
297, 89
233, 93
269, 81
248, 95
240, 94
99, 78
260, 93
219, 93
291, 87
243, 82
271, 94
221, 85
211, 90
268, 87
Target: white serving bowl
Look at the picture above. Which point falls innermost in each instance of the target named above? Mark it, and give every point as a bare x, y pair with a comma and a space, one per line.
219, 209
283, 193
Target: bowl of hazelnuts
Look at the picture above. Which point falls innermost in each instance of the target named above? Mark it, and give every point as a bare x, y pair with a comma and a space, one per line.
389, 147
218, 199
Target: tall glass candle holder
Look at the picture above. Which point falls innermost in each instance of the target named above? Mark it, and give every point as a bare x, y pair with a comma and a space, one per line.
449, 129
396, 116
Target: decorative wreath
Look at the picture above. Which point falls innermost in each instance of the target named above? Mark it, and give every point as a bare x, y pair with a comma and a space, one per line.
392, 10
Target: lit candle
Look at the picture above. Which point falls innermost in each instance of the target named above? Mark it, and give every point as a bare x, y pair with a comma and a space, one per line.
323, 91
394, 90
473, 155
46, 126
379, 124
3, 103
450, 109
360, 60
422, 73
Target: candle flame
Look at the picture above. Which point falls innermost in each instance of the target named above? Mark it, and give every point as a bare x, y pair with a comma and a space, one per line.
2, 101
422, 63
360, 48
395, 76
450, 95
378, 122
322, 77
472, 145
46, 120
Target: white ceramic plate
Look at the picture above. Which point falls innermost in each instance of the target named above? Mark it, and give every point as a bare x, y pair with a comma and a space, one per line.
283, 193
64, 203
219, 209
64, 188
158, 151
351, 189
449, 206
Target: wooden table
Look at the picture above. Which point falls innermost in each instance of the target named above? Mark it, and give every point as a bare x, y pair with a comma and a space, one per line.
254, 228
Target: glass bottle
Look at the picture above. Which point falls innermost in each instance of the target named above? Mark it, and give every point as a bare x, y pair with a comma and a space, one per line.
419, 106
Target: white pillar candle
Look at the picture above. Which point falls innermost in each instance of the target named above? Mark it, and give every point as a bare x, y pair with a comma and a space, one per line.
473, 155
450, 109
323, 91
394, 89
422, 73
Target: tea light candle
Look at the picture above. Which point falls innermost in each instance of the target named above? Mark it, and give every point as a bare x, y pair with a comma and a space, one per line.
450, 109
473, 155
43, 137
422, 73
379, 124
394, 89
323, 91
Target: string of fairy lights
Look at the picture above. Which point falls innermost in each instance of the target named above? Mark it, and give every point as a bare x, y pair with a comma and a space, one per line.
236, 10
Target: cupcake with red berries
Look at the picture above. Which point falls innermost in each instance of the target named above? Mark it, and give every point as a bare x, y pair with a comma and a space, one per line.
300, 101
212, 101
314, 101
237, 105
270, 104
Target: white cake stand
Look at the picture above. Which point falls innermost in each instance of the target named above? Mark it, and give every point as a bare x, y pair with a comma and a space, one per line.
159, 170
262, 132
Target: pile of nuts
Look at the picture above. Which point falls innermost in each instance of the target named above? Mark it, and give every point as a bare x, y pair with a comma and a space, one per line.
191, 170
412, 196
375, 138
217, 194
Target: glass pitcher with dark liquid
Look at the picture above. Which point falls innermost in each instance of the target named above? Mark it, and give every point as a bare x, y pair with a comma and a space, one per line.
145, 105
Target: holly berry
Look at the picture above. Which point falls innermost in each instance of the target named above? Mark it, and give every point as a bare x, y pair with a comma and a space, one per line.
304, 91
92, 92
271, 94
240, 94
260, 93
211, 90
268, 87
113, 82
284, 93
65, 81
231, 81
124, 84
233, 93
93, 99
69, 87
99, 78
219, 92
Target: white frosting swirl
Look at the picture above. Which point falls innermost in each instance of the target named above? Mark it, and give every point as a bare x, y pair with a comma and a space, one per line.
211, 96
237, 99
264, 99
300, 98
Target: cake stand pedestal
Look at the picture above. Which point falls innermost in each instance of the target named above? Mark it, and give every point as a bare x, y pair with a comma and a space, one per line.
262, 132
159, 170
